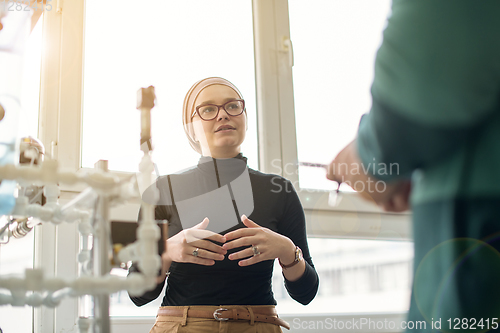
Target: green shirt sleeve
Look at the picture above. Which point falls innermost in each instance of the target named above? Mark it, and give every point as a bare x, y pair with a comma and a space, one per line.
436, 80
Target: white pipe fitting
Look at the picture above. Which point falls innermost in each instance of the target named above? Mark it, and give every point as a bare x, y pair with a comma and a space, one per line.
18, 297
34, 300
50, 291
48, 174
135, 284
44, 213
13, 283
129, 253
84, 324
51, 192
6, 299
83, 256
49, 171
54, 284
34, 279
21, 205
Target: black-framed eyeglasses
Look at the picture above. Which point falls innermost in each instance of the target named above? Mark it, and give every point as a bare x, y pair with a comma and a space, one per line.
211, 111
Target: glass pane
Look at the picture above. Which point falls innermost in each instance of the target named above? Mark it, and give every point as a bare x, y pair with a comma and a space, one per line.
122, 306
334, 44
15, 257
356, 276
13, 39
171, 45
30, 95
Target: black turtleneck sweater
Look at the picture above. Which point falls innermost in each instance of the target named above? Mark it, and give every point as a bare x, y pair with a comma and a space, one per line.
276, 206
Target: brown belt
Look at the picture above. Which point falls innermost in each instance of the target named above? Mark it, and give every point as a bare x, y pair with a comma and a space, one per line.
223, 314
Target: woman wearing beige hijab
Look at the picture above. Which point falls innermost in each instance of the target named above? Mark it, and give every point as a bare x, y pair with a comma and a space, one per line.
219, 262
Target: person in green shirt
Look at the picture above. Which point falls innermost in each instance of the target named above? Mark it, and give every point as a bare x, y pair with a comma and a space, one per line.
432, 137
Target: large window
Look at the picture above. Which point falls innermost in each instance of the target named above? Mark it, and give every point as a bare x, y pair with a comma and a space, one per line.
356, 276
334, 45
168, 44
171, 45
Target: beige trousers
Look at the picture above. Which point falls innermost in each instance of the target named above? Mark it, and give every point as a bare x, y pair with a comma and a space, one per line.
170, 324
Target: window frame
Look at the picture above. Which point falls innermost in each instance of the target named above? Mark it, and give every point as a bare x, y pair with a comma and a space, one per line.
60, 130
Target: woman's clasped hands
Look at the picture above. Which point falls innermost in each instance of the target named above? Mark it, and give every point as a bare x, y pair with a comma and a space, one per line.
196, 245
261, 244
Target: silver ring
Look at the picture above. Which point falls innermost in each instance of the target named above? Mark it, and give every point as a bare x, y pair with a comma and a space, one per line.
195, 252
255, 250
